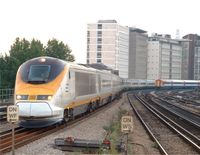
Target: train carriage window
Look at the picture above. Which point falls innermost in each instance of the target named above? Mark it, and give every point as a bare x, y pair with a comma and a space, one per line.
105, 81
85, 83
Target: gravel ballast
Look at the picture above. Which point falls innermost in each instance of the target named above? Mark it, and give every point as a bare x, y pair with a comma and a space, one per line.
90, 129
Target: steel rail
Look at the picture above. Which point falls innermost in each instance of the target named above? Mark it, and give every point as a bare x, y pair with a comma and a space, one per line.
162, 150
155, 112
195, 117
191, 135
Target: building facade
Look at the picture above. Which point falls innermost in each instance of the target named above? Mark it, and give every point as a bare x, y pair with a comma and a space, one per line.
130, 52
197, 60
193, 56
164, 57
138, 42
108, 43
185, 59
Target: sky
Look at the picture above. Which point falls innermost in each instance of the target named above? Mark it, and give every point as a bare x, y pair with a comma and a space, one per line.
66, 20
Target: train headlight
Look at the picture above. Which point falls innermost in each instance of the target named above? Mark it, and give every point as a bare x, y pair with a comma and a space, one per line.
21, 97
42, 60
44, 97
49, 97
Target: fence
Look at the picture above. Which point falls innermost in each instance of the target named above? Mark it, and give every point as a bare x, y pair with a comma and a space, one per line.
6, 95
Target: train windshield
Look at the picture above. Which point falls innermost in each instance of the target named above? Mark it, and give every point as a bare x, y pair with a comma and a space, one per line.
41, 70
39, 73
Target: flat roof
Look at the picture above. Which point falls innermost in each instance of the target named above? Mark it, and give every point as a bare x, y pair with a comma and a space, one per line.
137, 30
107, 21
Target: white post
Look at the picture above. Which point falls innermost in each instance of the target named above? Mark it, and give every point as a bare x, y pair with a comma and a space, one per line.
13, 139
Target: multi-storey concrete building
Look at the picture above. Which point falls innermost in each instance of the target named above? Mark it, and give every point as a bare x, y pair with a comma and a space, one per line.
164, 57
194, 56
135, 56
138, 41
108, 43
185, 59
197, 60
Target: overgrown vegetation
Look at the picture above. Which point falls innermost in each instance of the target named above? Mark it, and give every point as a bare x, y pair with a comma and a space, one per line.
155, 145
114, 133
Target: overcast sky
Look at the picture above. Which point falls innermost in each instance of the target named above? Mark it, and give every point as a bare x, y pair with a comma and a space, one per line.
66, 20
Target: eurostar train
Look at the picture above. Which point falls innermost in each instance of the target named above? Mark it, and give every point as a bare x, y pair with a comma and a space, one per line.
50, 90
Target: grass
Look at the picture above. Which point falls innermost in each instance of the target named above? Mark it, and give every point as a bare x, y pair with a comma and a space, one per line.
155, 145
114, 133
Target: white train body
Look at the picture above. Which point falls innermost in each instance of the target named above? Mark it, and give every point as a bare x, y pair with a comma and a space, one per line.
49, 90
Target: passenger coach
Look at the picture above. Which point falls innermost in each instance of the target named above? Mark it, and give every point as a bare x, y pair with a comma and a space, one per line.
177, 83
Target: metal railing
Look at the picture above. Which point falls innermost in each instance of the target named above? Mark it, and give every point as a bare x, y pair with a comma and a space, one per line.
6, 95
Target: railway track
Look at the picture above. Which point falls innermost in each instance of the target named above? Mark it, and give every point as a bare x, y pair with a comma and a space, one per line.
24, 136
168, 138
183, 120
189, 104
192, 118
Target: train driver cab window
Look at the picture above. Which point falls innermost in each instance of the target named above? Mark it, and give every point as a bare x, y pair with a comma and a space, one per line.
39, 73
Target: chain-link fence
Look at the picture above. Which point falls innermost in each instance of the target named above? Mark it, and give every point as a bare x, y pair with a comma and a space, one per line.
6, 95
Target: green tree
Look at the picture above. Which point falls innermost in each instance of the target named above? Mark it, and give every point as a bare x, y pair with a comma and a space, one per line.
24, 50
20, 49
36, 49
2, 71
10, 70
8, 66
59, 50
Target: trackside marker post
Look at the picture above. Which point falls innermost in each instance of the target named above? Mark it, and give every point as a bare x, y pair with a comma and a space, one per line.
13, 117
127, 124
126, 128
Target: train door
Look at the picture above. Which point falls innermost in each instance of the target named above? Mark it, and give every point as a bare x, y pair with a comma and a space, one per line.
72, 84
99, 84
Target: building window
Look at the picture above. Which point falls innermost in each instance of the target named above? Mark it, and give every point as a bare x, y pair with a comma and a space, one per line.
99, 26
98, 60
98, 54
88, 54
99, 34
88, 40
197, 43
88, 48
88, 34
98, 47
99, 40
